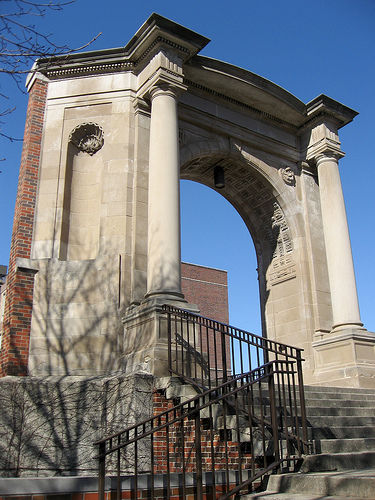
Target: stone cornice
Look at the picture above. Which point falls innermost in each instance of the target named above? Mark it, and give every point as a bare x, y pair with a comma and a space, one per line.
156, 33
55, 73
323, 107
160, 30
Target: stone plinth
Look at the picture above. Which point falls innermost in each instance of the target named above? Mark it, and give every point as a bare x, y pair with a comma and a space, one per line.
346, 359
146, 338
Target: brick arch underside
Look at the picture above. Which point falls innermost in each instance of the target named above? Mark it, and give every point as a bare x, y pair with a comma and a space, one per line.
258, 204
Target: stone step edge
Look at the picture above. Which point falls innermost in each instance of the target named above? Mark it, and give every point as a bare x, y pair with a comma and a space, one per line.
274, 495
363, 476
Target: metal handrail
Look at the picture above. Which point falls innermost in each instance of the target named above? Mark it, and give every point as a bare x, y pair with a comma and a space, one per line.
273, 434
272, 346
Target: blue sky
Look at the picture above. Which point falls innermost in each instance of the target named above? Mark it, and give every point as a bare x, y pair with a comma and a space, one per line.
309, 48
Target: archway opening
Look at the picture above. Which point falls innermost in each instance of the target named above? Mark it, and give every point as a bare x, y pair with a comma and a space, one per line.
213, 234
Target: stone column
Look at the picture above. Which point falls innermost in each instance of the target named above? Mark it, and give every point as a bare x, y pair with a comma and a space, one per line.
164, 246
336, 236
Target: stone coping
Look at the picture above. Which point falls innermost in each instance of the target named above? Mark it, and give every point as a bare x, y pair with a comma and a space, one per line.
81, 484
69, 484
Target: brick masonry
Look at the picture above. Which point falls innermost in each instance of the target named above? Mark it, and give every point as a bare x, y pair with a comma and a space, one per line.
217, 453
208, 289
20, 283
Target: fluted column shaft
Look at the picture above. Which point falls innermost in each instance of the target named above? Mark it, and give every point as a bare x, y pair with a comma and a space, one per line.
164, 245
338, 249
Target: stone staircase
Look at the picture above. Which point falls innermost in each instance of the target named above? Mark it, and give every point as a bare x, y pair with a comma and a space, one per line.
342, 429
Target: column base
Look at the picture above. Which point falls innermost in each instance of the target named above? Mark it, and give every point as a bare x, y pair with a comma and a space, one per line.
145, 344
354, 326
345, 358
166, 296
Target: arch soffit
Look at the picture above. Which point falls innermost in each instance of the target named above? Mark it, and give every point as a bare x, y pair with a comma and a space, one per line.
220, 149
254, 188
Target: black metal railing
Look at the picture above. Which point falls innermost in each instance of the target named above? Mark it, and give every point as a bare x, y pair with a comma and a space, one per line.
208, 352
245, 422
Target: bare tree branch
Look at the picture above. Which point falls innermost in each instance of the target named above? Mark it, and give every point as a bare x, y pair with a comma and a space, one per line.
22, 41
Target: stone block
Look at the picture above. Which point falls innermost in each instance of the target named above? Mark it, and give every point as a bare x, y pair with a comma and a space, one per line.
345, 358
48, 424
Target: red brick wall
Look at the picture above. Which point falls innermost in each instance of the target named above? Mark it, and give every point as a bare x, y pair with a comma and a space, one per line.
208, 288
225, 454
20, 284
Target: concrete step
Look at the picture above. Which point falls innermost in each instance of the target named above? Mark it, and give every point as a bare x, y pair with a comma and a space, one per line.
338, 390
349, 484
345, 445
269, 495
342, 432
325, 462
346, 411
333, 403
339, 421
350, 396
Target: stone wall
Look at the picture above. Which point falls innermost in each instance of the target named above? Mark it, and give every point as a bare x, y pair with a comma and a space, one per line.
48, 425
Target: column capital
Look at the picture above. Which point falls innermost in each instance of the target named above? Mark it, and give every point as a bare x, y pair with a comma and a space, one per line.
323, 139
166, 88
328, 155
163, 78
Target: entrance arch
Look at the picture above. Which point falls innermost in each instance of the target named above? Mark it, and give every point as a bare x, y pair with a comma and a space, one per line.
263, 195
160, 111
213, 234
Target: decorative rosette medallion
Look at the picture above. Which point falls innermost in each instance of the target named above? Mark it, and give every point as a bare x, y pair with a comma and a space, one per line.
88, 137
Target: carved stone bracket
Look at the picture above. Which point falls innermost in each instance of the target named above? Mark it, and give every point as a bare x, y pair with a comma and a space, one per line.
87, 137
288, 176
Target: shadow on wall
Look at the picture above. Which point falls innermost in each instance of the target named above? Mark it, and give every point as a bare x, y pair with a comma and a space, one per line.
48, 424
75, 393
76, 325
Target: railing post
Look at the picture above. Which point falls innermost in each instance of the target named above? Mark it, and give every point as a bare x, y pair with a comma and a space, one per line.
198, 454
101, 478
302, 401
275, 427
169, 328
224, 355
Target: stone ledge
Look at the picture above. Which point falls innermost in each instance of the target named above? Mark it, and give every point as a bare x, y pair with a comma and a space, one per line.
71, 484
84, 484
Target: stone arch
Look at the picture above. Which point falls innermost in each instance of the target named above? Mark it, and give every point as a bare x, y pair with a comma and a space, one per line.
262, 199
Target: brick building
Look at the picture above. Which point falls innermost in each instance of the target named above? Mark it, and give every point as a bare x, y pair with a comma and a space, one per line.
208, 288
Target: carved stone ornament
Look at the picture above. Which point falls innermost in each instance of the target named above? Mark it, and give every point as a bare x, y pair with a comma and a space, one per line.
88, 137
288, 176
